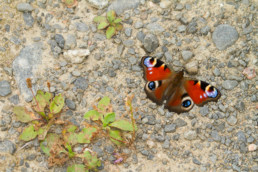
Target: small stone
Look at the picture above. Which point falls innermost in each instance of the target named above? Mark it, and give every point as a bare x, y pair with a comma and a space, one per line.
168, 57
76, 56
28, 19
179, 7
14, 99
5, 88
224, 36
81, 27
241, 136
140, 36
252, 147
166, 144
180, 123
216, 72
170, 128
192, 67
81, 83
187, 55
24, 7
70, 41
128, 43
70, 104
99, 4
215, 136
190, 135
229, 84
138, 25
192, 27
110, 149
60, 40
204, 110
249, 73
165, 4
128, 32
7, 146
181, 28
76, 73
122, 5
155, 28
151, 42
205, 30
232, 120
196, 161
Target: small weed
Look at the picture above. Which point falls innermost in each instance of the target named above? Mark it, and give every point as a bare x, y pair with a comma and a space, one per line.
45, 113
110, 23
70, 3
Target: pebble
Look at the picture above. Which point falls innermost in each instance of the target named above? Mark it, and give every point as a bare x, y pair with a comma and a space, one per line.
187, 55
181, 28
232, 120
150, 43
224, 36
99, 4
60, 40
128, 31
140, 36
155, 28
192, 67
229, 84
128, 43
81, 27
252, 147
205, 30
14, 99
6, 146
196, 161
165, 4
168, 57
70, 104
70, 41
81, 83
180, 123
170, 128
76, 56
192, 27
119, 6
190, 135
28, 19
24, 7
5, 88
138, 25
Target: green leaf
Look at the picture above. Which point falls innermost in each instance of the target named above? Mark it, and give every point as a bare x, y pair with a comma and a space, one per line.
103, 25
110, 32
22, 114
70, 150
118, 20
28, 133
110, 117
92, 115
86, 135
49, 141
57, 104
76, 168
115, 136
99, 19
111, 15
71, 128
92, 160
103, 103
42, 132
118, 26
42, 100
123, 125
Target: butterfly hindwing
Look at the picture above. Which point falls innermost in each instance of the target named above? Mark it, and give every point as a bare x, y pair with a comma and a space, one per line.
201, 92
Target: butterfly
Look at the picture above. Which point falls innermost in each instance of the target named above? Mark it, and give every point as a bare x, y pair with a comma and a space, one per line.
179, 92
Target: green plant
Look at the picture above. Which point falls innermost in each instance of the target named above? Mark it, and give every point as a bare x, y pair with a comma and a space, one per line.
70, 3
45, 113
110, 23
107, 122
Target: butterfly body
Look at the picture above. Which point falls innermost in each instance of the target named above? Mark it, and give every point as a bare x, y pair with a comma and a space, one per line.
180, 93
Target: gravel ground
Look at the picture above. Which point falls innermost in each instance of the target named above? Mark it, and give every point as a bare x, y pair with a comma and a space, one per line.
214, 41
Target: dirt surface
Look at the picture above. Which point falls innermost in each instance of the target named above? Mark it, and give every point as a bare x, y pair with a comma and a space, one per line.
220, 132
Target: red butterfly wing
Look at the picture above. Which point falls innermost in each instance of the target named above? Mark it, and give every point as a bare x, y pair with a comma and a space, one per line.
201, 92
155, 69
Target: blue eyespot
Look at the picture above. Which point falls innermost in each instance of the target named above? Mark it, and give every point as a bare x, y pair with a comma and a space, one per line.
186, 103
147, 62
151, 85
212, 93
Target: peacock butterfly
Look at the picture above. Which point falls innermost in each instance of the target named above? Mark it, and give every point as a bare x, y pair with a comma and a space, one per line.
179, 92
